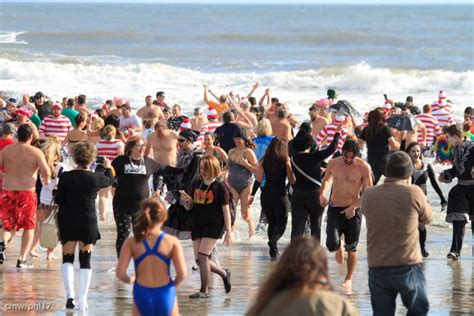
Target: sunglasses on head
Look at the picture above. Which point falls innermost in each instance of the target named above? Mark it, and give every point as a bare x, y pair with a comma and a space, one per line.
181, 140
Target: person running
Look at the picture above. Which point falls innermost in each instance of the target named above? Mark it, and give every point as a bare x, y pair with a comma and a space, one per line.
21, 163
421, 172
378, 137
150, 111
77, 220
107, 147
51, 148
393, 211
461, 196
319, 116
305, 202
154, 291
209, 200
93, 129
133, 170
276, 167
164, 143
350, 175
299, 285
242, 165
210, 149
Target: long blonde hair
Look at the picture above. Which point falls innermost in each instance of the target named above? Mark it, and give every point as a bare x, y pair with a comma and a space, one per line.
51, 148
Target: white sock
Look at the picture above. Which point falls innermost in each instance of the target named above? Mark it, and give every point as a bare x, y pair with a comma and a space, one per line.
68, 277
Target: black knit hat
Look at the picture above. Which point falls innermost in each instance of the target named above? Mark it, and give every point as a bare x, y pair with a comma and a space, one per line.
399, 166
189, 135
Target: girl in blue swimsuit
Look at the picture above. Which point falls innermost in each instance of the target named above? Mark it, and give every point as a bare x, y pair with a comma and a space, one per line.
154, 291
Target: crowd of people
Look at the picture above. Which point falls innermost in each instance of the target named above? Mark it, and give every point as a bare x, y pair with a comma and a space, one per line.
168, 177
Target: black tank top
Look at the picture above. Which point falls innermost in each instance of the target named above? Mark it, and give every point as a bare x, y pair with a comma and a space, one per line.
275, 181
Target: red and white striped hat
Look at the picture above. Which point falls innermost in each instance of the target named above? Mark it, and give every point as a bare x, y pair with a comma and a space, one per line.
387, 106
186, 124
57, 105
211, 113
442, 95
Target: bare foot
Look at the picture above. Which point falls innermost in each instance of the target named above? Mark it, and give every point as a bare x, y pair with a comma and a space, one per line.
347, 286
34, 254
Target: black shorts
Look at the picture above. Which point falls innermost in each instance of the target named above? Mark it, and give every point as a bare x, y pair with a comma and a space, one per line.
460, 203
338, 224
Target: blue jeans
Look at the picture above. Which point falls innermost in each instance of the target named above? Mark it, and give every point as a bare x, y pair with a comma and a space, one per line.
386, 283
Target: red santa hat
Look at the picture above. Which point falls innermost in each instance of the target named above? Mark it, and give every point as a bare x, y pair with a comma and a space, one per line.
57, 105
339, 118
186, 124
211, 113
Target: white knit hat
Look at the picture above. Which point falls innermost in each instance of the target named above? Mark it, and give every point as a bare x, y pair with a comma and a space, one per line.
387, 105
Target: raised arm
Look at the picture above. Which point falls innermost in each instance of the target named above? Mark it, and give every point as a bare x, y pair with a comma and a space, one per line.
254, 87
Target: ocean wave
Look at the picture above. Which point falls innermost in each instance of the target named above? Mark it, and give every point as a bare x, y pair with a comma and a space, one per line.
11, 38
360, 83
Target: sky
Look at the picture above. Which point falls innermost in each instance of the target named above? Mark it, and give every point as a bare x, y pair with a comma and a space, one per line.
265, 1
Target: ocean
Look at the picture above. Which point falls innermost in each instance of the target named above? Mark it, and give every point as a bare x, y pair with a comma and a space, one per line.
299, 51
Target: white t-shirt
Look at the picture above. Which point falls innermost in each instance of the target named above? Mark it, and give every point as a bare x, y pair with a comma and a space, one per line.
132, 121
46, 196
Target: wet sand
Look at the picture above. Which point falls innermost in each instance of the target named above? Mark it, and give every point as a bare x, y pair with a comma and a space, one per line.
450, 284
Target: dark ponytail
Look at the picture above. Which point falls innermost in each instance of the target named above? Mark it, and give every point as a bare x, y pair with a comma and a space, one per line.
153, 212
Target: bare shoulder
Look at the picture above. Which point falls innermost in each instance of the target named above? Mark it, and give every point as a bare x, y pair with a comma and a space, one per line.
362, 164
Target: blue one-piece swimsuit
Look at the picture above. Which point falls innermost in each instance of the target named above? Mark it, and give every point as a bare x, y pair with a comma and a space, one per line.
154, 300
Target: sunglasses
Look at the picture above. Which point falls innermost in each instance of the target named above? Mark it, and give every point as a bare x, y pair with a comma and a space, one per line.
181, 140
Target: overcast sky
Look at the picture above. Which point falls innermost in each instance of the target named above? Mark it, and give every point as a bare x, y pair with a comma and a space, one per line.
268, 1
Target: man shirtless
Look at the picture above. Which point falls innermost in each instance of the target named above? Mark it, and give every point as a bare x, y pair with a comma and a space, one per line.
21, 163
272, 115
318, 116
281, 127
198, 121
164, 143
350, 175
150, 111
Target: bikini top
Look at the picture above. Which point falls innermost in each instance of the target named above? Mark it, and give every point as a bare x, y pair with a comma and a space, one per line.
153, 252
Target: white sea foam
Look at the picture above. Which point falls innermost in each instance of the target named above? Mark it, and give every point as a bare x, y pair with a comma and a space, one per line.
361, 84
11, 38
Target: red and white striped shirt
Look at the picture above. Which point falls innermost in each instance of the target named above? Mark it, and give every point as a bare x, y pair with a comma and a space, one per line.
328, 133
208, 127
58, 126
108, 148
432, 128
444, 117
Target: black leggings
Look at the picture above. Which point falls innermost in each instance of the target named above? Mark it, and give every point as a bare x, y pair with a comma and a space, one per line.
123, 222
276, 210
378, 169
459, 228
304, 203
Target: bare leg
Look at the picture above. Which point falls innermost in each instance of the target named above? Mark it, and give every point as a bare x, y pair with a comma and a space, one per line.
244, 206
103, 202
351, 264
340, 252
26, 242
236, 198
42, 215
